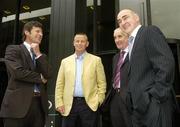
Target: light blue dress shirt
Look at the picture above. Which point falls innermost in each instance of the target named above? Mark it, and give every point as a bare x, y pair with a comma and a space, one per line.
78, 90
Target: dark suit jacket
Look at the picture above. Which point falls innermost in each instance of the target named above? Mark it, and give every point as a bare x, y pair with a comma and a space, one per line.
119, 111
124, 74
151, 76
22, 75
124, 78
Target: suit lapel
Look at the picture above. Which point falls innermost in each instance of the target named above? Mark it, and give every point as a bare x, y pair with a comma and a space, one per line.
115, 60
135, 46
136, 41
125, 60
27, 58
116, 57
85, 62
72, 65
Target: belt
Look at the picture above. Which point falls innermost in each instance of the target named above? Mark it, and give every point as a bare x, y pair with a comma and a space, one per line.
79, 98
117, 90
37, 94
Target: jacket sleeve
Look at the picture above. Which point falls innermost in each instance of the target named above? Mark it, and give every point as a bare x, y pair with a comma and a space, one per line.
60, 82
16, 67
162, 61
101, 81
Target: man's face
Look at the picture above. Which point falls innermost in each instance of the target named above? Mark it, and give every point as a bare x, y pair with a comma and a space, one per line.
128, 20
121, 39
35, 35
80, 43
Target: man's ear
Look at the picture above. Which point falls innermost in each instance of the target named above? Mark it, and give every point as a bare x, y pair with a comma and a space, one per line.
87, 44
137, 18
26, 32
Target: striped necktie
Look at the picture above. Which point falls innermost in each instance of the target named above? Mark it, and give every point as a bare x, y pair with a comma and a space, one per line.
118, 66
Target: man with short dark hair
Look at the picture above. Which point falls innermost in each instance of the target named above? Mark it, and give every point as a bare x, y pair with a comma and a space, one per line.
80, 86
25, 101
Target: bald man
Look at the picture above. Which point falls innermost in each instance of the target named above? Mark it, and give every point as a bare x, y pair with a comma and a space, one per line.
151, 73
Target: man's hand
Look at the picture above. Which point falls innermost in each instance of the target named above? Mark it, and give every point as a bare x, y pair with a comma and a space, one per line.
35, 48
61, 109
43, 79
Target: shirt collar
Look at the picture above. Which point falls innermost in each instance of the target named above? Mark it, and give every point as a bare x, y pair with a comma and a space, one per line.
126, 49
28, 46
80, 56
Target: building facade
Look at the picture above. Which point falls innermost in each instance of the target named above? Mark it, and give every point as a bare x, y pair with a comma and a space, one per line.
63, 18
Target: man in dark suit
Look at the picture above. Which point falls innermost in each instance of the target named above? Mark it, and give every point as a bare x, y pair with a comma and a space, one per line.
120, 116
151, 73
25, 101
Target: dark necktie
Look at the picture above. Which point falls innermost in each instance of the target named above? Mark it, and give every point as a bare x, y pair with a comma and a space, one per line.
33, 57
36, 88
117, 73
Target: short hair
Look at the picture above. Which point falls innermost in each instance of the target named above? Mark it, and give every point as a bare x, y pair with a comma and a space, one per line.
81, 33
122, 32
28, 27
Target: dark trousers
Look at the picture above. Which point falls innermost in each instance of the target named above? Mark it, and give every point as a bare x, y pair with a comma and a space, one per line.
80, 113
34, 118
120, 116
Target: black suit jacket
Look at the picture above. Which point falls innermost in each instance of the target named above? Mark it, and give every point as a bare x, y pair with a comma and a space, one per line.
151, 76
124, 74
124, 78
22, 75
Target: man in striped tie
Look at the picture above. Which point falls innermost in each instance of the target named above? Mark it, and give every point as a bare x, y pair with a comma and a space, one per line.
119, 113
